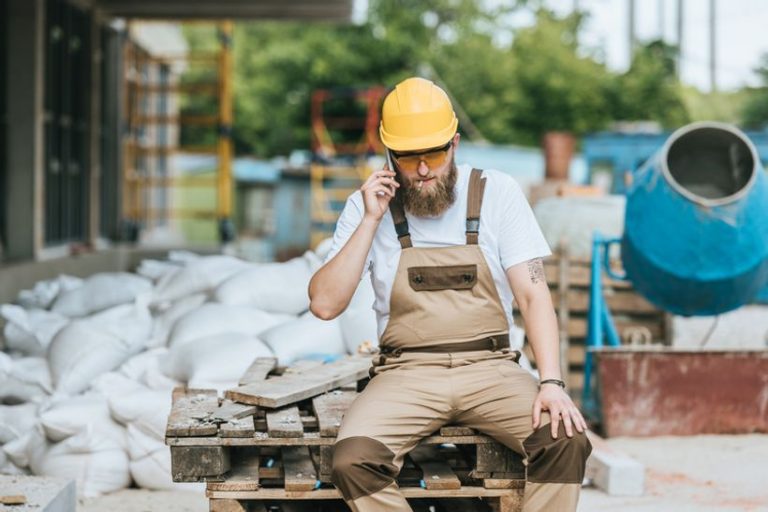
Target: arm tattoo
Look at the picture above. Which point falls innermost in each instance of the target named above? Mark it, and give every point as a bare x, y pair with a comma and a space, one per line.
536, 270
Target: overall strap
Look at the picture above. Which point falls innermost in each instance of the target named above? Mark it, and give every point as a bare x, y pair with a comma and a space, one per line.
474, 203
401, 223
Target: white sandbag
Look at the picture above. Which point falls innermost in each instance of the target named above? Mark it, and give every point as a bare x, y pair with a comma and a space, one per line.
17, 451
156, 269
24, 379
323, 248
197, 276
45, 292
82, 351
16, 420
358, 322
30, 331
145, 369
66, 417
273, 287
212, 318
215, 362
305, 337
97, 461
165, 319
100, 292
575, 219
9, 468
144, 408
132, 323
115, 384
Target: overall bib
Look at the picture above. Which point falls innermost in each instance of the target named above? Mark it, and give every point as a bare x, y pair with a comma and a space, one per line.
445, 358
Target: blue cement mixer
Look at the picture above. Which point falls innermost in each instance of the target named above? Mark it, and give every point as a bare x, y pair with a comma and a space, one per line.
695, 236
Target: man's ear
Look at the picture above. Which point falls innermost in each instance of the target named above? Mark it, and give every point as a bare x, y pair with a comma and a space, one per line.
456, 140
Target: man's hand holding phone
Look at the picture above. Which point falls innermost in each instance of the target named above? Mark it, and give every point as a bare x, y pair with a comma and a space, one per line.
378, 190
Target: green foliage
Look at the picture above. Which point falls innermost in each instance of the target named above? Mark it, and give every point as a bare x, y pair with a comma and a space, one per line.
719, 106
557, 89
650, 89
755, 109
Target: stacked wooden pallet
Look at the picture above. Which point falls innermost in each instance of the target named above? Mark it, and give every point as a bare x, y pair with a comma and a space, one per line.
637, 320
268, 446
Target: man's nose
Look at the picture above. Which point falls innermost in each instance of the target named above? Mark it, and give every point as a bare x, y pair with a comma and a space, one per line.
423, 168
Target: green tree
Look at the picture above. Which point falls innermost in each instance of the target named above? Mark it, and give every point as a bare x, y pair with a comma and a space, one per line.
557, 88
649, 90
755, 111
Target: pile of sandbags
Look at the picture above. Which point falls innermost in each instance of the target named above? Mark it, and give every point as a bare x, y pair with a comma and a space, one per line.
88, 365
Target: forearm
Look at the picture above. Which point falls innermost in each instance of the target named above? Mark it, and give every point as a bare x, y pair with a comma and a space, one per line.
332, 287
542, 331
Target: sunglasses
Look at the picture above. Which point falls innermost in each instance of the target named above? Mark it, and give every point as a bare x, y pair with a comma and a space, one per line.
432, 158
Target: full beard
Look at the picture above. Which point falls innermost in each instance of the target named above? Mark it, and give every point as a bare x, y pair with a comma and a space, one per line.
428, 202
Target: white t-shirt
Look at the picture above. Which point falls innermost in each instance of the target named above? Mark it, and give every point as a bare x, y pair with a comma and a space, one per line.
509, 234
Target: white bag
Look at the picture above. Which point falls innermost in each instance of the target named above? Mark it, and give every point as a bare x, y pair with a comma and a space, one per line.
23, 380
145, 369
97, 461
82, 351
165, 319
212, 318
100, 292
324, 248
16, 420
156, 269
144, 408
132, 323
215, 361
70, 416
305, 337
273, 287
44, 292
30, 331
200, 275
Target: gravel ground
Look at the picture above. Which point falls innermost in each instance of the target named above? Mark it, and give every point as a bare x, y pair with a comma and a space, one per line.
700, 473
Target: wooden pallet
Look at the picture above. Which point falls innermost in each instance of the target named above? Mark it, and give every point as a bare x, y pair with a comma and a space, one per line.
251, 455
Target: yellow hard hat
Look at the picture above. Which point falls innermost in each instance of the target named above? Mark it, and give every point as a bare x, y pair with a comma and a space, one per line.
417, 114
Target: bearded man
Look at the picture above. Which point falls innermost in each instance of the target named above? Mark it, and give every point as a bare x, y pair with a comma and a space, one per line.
448, 248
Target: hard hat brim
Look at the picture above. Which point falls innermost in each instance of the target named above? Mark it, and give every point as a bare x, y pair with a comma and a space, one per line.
432, 140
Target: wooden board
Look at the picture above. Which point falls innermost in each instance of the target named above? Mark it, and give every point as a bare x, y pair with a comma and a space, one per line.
244, 475
309, 439
189, 413
285, 423
298, 470
495, 458
332, 494
330, 408
199, 463
258, 370
242, 427
437, 474
288, 389
229, 410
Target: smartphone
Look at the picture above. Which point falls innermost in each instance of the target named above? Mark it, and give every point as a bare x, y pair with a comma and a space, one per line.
390, 165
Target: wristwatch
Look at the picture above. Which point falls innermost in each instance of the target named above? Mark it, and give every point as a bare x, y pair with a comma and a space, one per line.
553, 381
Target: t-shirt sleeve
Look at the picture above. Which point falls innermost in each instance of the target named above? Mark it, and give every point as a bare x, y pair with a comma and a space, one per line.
520, 237
350, 218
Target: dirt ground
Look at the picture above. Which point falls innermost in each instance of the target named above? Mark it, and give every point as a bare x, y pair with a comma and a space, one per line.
702, 474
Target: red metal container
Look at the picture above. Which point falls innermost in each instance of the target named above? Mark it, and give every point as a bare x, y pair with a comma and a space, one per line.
664, 391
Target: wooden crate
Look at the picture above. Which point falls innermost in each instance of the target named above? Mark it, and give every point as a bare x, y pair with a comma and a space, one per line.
636, 319
253, 456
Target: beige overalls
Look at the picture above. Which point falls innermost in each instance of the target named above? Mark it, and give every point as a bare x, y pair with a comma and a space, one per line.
445, 358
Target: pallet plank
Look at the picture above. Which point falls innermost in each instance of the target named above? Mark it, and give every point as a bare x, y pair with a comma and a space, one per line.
288, 389
229, 410
285, 423
298, 470
242, 427
496, 458
190, 412
258, 370
437, 474
330, 408
199, 463
244, 475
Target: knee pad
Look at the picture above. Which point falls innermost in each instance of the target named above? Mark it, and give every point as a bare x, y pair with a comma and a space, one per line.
362, 466
560, 460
